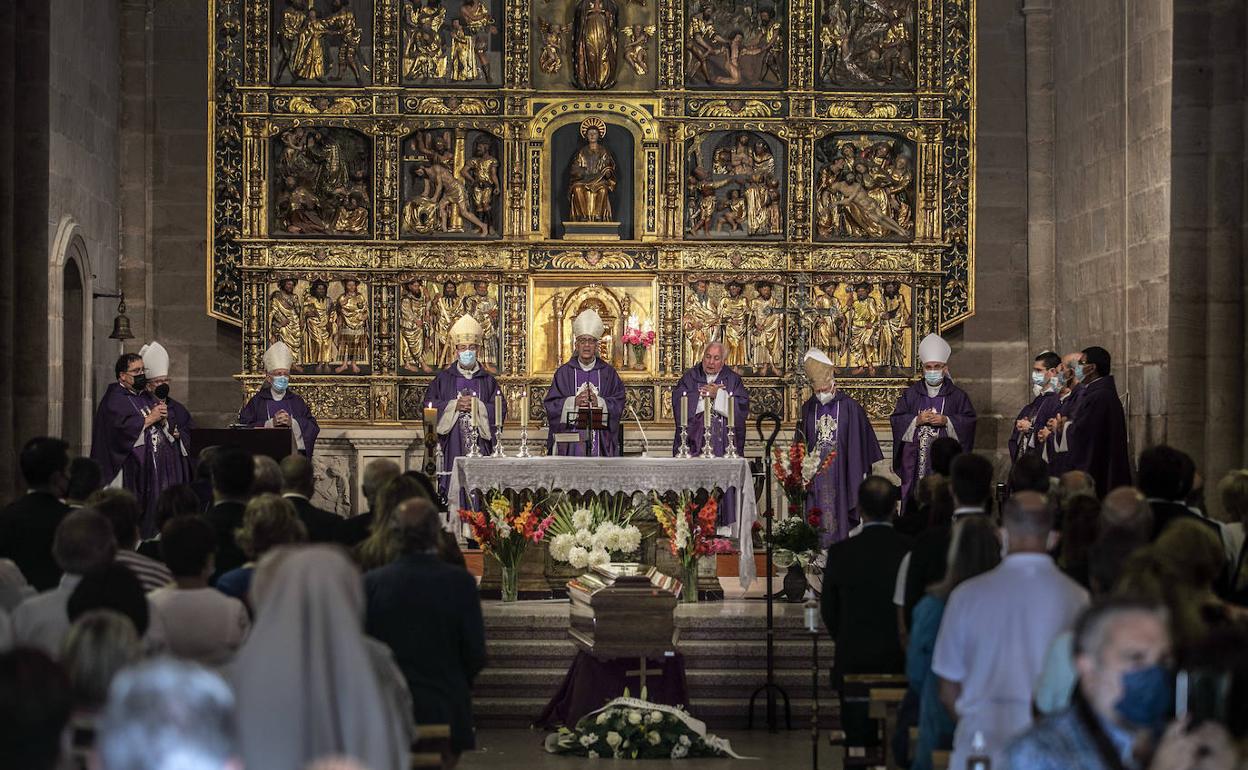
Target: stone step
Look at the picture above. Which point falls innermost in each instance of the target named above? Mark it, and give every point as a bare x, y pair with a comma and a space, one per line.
531, 653
718, 713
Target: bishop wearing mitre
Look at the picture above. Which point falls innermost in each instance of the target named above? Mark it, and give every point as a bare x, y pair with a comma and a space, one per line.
465, 395
275, 405
585, 381
831, 421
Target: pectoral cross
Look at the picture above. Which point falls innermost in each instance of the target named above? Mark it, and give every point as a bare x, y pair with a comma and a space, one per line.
641, 673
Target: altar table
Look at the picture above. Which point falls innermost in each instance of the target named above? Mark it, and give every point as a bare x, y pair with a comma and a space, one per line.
615, 474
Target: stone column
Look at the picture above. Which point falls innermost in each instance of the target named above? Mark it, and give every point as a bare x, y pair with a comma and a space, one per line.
1041, 237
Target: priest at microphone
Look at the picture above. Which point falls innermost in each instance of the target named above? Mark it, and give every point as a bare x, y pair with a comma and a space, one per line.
585, 381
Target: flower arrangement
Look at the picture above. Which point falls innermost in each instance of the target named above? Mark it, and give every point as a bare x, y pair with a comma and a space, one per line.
690, 531
595, 533
639, 339
503, 531
796, 472
795, 540
628, 728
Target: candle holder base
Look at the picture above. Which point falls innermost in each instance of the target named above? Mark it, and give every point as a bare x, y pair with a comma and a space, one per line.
731, 453
474, 439
523, 451
683, 453
498, 448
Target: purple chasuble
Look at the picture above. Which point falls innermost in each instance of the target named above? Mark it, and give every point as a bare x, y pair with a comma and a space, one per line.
910, 458
834, 492
1059, 462
568, 380
1038, 412
739, 403
1098, 437
261, 408
447, 386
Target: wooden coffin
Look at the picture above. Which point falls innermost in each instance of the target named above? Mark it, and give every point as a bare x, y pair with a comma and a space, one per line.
623, 611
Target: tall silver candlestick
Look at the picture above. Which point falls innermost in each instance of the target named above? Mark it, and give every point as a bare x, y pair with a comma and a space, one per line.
708, 416
523, 451
474, 437
684, 444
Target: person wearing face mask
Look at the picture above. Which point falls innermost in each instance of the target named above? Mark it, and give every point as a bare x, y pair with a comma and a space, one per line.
1032, 418
585, 381
1095, 435
1053, 433
832, 421
125, 439
275, 405
927, 410
464, 394
1119, 712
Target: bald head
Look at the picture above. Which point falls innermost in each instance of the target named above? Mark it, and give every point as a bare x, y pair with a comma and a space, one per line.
297, 475
1028, 518
1074, 483
417, 523
1127, 508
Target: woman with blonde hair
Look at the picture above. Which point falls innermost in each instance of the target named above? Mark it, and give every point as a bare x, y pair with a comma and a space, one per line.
99, 644
268, 521
382, 545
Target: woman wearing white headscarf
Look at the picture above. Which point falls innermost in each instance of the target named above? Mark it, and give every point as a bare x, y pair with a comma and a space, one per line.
309, 683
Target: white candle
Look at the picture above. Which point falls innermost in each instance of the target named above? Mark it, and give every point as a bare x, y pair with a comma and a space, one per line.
684, 409
731, 412
498, 411
524, 410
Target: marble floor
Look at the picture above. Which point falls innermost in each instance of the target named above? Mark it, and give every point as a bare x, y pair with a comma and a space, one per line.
787, 750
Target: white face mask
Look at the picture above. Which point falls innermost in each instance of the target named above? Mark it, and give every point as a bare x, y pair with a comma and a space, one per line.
825, 396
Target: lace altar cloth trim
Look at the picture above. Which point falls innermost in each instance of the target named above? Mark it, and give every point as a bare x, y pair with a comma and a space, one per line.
616, 474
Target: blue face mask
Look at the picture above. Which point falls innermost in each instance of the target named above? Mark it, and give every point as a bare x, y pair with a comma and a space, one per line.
1077, 371
280, 383
1037, 379
1147, 697
934, 378
468, 358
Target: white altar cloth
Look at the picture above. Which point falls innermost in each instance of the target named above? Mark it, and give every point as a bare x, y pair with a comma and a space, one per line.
615, 474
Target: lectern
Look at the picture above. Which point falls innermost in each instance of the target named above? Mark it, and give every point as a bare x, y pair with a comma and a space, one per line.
274, 442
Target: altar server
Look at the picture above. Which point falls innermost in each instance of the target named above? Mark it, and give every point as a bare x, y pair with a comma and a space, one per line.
126, 440
927, 410
466, 396
276, 406
585, 381
1026, 437
1097, 432
728, 394
831, 420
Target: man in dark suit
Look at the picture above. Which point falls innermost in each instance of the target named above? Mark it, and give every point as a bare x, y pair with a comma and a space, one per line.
28, 524
1166, 476
232, 474
429, 615
297, 487
858, 600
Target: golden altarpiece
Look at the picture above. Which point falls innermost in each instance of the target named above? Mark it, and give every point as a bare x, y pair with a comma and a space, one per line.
765, 173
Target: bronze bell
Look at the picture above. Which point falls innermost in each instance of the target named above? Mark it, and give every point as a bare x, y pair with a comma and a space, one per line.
121, 324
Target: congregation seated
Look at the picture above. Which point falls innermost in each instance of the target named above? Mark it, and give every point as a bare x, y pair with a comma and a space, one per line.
176, 500
84, 480
232, 475
1166, 477
307, 647
122, 511
428, 613
1127, 508
382, 545
266, 476
297, 487
201, 623
1030, 473
28, 524
114, 587
1233, 492
1081, 517
83, 543
13, 587
375, 476
100, 644
35, 706
268, 522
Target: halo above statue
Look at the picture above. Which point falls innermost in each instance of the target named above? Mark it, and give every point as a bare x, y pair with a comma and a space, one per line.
597, 123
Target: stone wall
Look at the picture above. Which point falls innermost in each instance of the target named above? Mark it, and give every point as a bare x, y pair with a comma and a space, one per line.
164, 156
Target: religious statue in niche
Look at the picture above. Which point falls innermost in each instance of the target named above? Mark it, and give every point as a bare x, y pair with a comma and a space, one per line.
309, 42
637, 44
456, 42
428, 310
322, 182
452, 184
351, 327
333, 327
866, 44
592, 176
864, 188
748, 318
595, 59
554, 38
415, 316
828, 330
733, 189
876, 335
734, 45
284, 322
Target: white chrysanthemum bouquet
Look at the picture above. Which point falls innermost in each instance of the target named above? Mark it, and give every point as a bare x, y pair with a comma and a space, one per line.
594, 532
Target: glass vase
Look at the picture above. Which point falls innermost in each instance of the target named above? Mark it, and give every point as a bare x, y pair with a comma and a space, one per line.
689, 583
510, 576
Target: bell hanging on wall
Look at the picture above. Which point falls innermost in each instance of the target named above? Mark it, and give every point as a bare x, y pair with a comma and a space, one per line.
121, 324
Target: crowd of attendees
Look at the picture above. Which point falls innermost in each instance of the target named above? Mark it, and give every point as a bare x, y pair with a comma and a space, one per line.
1042, 628
254, 630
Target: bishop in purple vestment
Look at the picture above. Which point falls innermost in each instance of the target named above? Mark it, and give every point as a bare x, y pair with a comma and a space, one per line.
1025, 438
171, 437
125, 439
465, 396
275, 405
1097, 433
586, 381
927, 410
831, 420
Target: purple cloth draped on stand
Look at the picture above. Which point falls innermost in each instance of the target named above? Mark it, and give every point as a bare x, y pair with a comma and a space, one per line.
568, 380
446, 387
1037, 413
591, 683
1098, 437
835, 491
695, 378
261, 408
910, 458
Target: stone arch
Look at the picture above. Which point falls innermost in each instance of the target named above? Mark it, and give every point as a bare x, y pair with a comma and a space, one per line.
70, 324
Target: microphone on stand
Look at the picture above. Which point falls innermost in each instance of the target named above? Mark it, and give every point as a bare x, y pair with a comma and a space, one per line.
645, 442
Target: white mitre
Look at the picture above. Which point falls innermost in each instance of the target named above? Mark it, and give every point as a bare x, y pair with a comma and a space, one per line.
819, 369
934, 349
588, 324
466, 331
155, 360
278, 356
